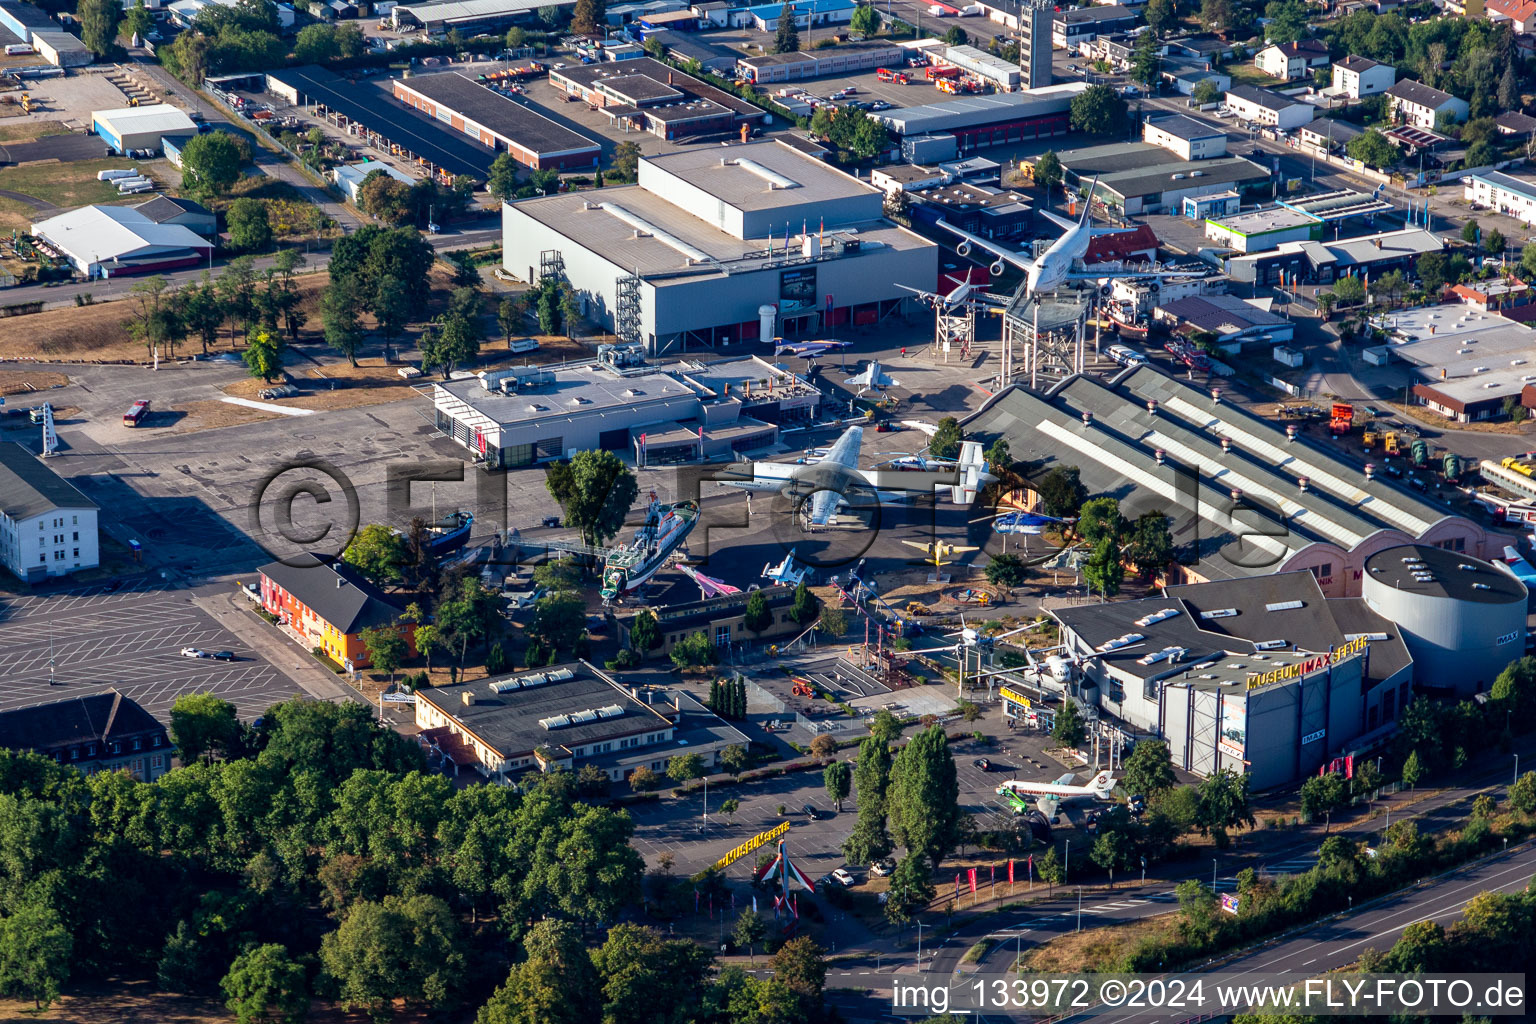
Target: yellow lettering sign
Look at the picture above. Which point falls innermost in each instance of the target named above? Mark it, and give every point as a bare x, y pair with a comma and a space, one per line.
761, 839
1014, 695
1303, 668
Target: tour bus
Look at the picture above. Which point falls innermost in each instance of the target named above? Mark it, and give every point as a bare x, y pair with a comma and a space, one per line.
136, 414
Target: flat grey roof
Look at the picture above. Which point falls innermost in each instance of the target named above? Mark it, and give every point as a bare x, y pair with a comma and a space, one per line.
1116, 156
1187, 128
1259, 222
509, 722
1225, 170
712, 170
1436, 572
1097, 13
499, 114
1221, 313
1330, 128
580, 390
971, 111
1509, 183
1267, 98
29, 488
588, 75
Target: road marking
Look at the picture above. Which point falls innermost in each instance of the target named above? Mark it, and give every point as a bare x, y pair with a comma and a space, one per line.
1309, 963
281, 410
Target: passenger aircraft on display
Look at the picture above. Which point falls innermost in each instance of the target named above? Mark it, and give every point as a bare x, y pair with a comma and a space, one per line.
1061, 263
1049, 795
810, 349
819, 490
937, 301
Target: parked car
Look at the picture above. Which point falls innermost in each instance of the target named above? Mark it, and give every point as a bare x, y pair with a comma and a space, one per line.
194, 652
811, 812
551, 521
882, 868
983, 764
225, 656
843, 877
281, 391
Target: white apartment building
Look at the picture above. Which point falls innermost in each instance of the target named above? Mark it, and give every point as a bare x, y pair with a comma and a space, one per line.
47, 527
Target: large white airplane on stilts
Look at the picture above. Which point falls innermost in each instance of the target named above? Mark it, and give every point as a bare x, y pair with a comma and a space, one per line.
1049, 795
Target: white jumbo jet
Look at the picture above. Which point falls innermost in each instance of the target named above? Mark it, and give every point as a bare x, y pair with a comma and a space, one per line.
819, 490
1061, 263
1049, 795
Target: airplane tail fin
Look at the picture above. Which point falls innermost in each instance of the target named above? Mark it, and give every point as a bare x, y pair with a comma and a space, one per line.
1088, 201
971, 472
1103, 784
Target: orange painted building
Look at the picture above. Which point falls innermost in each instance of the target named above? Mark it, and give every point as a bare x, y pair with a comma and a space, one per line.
328, 605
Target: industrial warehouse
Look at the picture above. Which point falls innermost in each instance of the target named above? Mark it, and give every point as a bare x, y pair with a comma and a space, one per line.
1247, 496
496, 121
724, 244
646, 95
975, 122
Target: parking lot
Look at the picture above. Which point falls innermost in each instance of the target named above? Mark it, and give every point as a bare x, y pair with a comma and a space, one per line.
129, 638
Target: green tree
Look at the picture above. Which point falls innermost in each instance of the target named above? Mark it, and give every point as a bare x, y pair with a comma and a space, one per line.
406, 949
998, 455
556, 984
316, 44
262, 357
947, 435
339, 314
264, 983
1206, 91
626, 161
391, 308
956, 36
1224, 805
750, 927
457, 344
1047, 171
837, 778
210, 163
1471, 233
1146, 62
804, 607
386, 198
1099, 518
756, 616
1349, 291
559, 619
588, 16
911, 889
1151, 546
377, 552
923, 797
683, 767
1104, 572
1287, 21
1321, 796
35, 954
1051, 869
204, 726
643, 632
595, 490
735, 759
137, 21
386, 648
1069, 729
1005, 570
202, 311
1098, 110
694, 651
1062, 492
832, 621
1413, 770
1522, 795
1372, 148
1149, 769
865, 20
646, 977
787, 38
501, 182
98, 24
1493, 242
1111, 851
868, 139
1431, 268
1161, 16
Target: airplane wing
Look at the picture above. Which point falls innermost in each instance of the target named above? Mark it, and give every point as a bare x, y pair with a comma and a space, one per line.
1066, 224
756, 476
927, 296
957, 550
916, 544
824, 505
973, 241
1068, 779
845, 450
1089, 275
919, 425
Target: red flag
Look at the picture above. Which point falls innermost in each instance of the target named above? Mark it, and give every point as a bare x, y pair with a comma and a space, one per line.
957, 885
994, 874
701, 433
642, 440
973, 879
1349, 766
1010, 870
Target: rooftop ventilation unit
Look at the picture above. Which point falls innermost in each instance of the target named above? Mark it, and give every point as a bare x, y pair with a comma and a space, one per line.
661, 235
1169, 654
583, 717
611, 711
774, 179
1219, 613
1284, 606
1118, 642
1157, 616
505, 686
1370, 636
559, 675
1269, 645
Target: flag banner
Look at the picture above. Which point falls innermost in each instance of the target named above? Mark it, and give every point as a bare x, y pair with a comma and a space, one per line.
1010, 870
973, 880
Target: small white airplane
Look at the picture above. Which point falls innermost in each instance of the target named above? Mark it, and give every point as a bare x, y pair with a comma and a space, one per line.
873, 379
1061, 263
787, 572
708, 586
1049, 795
819, 490
953, 298
1522, 570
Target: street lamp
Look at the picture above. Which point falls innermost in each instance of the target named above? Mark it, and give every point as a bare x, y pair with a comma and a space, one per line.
1213, 874
1079, 910
919, 943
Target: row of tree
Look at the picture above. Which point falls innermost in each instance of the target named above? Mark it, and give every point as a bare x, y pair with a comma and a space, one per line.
241, 297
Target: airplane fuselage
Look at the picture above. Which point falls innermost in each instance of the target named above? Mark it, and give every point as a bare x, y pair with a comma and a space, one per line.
1050, 271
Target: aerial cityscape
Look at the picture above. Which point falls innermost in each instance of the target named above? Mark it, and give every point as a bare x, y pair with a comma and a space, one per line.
650, 512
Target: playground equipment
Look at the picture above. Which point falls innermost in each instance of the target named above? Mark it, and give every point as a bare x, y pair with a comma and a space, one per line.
802, 687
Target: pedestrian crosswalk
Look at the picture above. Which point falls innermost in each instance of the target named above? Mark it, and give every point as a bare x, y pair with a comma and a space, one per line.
1294, 866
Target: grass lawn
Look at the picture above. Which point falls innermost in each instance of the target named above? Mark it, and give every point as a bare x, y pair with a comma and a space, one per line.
1244, 73
67, 185
29, 131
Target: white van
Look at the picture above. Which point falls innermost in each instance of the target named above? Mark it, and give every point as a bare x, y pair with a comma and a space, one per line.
18, 49
522, 346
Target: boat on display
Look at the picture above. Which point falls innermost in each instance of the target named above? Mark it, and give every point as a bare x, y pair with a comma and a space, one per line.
1131, 327
449, 533
664, 530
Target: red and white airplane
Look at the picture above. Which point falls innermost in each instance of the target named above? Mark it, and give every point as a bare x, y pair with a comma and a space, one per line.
708, 586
